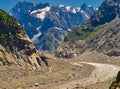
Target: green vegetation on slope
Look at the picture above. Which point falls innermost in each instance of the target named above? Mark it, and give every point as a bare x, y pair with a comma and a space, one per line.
14, 43
6, 18
9, 27
83, 32
108, 11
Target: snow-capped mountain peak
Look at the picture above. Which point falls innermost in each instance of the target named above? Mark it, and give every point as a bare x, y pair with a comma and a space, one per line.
47, 25
74, 11
60, 6
78, 9
68, 8
40, 13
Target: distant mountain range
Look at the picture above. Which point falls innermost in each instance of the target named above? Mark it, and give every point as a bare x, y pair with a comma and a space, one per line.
100, 33
47, 25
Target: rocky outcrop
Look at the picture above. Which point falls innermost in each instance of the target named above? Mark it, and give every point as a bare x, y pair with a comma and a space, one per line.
70, 49
116, 84
15, 46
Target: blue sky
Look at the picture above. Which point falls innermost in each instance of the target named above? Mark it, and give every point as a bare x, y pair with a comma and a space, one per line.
8, 4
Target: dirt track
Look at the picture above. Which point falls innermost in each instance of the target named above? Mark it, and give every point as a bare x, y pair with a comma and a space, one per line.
101, 73
69, 75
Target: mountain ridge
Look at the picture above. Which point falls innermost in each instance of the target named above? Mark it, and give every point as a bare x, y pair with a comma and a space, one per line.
53, 22
15, 46
100, 33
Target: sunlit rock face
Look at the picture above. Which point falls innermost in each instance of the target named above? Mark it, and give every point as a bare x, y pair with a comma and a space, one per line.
15, 46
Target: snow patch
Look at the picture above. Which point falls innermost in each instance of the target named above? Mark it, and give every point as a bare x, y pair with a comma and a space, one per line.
90, 6
96, 9
38, 28
74, 11
28, 10
78, 9
57, 13
18, 24
40, 13
69, 30
58, 28
60, 6
82, 11
68, 8
85, 14
36, 36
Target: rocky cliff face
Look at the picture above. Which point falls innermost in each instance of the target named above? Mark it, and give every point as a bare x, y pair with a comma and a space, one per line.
100, 33
15, 46
116, 83
48, 25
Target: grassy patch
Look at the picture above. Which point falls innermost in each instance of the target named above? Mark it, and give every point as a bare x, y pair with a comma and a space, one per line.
83, 33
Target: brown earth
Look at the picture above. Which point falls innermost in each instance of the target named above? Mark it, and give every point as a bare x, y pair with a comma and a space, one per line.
60, 73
